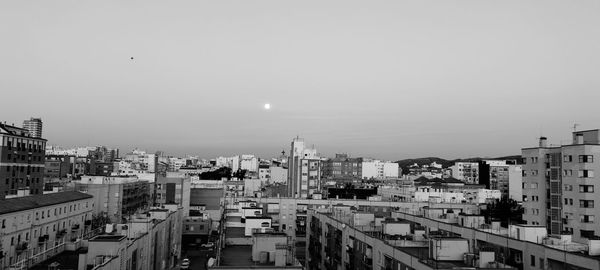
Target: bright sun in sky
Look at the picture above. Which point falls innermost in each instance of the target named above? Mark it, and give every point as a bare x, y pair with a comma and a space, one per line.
267, 106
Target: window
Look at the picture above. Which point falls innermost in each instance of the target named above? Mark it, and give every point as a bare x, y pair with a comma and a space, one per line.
568, 187
534, 185
586, 188
586, 158
586, 234
532, 260
586, 218
586, 203
568, 158
534, 159
586, 173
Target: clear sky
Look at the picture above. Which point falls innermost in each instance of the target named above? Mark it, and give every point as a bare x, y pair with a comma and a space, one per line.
387, 79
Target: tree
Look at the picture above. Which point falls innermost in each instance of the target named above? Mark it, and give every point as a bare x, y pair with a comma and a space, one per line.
240, 174
508, 211
218, 174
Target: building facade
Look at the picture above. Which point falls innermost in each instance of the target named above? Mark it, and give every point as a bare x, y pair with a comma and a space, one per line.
57, 166
22, 158
467, 172
304, 170
559, 186
342, 166
116, 197
377, 169
173, 189
34, 126
34, 226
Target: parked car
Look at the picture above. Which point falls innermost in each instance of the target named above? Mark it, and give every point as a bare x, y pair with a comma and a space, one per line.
208, 245
185, 264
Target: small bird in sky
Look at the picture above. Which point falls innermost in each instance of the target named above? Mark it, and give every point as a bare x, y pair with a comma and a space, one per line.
131, 58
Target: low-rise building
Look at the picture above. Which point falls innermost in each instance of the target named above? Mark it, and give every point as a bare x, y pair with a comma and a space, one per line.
148, 241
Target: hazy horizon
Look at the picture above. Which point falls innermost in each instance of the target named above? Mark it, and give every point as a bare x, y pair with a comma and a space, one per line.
383, 79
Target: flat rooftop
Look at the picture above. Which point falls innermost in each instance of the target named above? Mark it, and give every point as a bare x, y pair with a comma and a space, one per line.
238, 256
235, 232
108, 238
423, 252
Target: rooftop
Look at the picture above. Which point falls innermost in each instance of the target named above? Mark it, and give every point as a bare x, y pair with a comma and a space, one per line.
235, 232
37, 201
108, 238
238, 256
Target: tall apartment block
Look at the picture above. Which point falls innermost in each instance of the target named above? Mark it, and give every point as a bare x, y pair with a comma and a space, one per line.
304, 170
34, 126
22, 158
559, 185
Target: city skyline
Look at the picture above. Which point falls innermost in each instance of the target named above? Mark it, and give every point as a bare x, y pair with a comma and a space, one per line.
390, 80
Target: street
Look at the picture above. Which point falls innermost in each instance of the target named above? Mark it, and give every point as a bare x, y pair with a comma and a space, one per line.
197, 256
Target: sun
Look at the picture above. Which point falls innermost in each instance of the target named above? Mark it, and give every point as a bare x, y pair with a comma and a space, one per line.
267, 106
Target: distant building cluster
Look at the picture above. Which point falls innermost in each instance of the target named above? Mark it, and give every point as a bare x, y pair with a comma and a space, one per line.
96, 207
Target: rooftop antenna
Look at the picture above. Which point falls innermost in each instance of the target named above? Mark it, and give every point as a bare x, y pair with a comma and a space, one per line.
575, 125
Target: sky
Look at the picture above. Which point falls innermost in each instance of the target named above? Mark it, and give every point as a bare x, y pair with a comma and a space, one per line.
384, 79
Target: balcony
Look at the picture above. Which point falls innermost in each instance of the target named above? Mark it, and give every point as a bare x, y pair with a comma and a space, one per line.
88, 222
75, 227
21, 247
43, 239
61, 233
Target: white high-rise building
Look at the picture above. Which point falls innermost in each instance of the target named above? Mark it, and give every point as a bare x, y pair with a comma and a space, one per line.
304, 170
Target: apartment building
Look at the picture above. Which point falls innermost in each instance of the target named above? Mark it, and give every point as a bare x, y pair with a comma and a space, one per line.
57, 166
22, 158
467, 172
33, 228
304, 170
117, 197
502, 175
150, 240
377, 169
173, 188
342, 166
559, 186
34, 126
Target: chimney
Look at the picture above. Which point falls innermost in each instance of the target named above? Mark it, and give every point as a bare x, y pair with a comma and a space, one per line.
579, 138
543, 142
